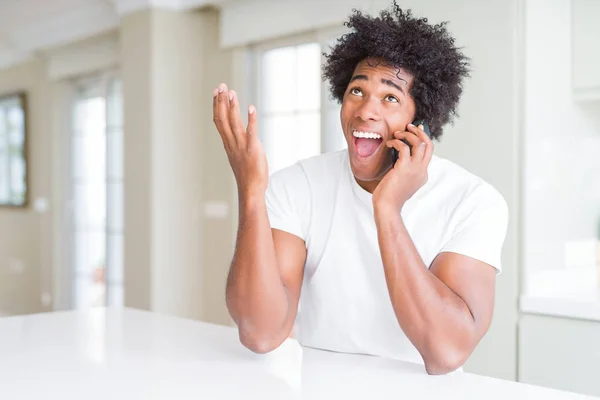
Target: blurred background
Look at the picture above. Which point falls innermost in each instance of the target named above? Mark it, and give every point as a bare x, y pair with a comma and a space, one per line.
115, 189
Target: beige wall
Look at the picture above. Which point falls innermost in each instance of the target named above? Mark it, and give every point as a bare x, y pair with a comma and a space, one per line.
135, 68
173, 162
216, 176
24, 233
176, 258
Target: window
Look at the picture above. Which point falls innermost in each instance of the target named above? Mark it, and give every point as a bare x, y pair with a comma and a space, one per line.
297, 119
13, 166
97, 192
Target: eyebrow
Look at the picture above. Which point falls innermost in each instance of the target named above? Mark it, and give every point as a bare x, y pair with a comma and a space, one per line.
383, 80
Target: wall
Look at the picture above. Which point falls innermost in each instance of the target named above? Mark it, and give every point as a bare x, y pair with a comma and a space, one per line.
24, 233
486, 138
560, 353
216, 179
562, 143
175, 259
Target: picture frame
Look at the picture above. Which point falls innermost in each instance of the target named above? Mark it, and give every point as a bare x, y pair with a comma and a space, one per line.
14, 165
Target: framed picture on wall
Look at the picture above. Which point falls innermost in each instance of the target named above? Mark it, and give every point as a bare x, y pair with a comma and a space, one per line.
14, 190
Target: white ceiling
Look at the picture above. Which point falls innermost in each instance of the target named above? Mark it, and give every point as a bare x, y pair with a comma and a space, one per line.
31, 26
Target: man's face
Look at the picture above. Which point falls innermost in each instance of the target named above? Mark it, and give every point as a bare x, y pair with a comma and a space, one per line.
376, 104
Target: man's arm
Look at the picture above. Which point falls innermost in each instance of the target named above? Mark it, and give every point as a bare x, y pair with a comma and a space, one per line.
263, 286
265, 278
445, 310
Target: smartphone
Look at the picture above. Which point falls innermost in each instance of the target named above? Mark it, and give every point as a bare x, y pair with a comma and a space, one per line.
415, 123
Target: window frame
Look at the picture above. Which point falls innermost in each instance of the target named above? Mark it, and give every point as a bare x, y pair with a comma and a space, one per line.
99, 84
324, 37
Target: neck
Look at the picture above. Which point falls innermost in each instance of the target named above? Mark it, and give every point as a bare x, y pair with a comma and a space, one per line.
369, 186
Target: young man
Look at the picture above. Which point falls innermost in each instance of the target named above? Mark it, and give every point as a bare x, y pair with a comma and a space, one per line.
393, 259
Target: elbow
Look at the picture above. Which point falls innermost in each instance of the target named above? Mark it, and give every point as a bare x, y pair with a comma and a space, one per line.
258, 345
258, 342
444, 364
447, 358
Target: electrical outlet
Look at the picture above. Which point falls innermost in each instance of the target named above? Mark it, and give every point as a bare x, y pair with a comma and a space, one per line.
46, 299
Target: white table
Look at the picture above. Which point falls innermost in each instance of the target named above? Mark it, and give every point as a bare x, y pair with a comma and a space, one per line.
130, 354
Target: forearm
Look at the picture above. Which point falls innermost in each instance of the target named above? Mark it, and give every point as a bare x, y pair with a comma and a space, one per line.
256, 297
435, 319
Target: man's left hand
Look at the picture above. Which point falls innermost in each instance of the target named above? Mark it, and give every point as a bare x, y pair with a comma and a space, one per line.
409, 173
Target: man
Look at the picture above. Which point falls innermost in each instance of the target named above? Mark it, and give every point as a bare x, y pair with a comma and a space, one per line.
393, 259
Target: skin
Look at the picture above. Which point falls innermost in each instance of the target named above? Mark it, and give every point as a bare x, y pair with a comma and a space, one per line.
444, 310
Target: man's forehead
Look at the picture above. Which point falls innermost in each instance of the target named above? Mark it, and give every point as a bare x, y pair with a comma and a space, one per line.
385, 68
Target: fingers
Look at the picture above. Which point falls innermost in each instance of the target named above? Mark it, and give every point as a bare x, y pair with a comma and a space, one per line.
418, 146
252, 123
235, 118
221, 115
420, 133
403, 149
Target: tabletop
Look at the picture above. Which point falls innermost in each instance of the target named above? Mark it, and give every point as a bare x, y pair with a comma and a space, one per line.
132, 354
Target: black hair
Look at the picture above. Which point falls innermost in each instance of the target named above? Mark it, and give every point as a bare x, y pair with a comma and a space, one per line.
426, 51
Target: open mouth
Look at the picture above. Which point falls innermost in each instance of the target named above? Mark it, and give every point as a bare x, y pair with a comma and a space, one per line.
366, 143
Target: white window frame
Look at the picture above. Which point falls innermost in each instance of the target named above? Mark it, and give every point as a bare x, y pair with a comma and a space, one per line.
64, 275
246, 78
324, 37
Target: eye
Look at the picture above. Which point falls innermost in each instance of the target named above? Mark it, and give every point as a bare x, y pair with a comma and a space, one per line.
392, 99
356, 91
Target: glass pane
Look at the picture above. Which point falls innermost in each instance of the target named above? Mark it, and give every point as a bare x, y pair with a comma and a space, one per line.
115, 207
90, 205
115, 259
289, 138
89, 158
90, 116
4, 160
279, 138
279, 80
16, 138
17, 172
114, 154
333, 136
309, 77
307, 141
15, 119
90, 251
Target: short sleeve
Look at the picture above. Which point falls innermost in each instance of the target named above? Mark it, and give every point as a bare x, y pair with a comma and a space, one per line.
288, 201
481, 229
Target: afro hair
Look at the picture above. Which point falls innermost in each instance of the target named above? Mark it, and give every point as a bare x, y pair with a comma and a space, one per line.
426, 51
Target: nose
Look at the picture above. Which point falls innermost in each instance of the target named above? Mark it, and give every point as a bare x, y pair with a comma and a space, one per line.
368, 110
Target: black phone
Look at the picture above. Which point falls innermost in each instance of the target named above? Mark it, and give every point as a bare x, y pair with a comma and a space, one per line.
415, 123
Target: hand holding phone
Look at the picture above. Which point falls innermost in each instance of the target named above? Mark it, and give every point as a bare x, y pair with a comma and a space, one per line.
415, 123
405, 178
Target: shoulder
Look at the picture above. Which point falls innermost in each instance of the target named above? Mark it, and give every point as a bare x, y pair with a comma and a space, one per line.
293, 190
316, 171
465, 189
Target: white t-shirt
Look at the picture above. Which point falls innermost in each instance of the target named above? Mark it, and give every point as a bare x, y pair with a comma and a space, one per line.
344, 303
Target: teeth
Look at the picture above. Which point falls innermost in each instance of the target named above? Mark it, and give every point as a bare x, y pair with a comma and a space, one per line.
367, 135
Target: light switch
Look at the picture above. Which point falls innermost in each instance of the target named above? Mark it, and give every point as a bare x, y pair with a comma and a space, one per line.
16, 266
40, 205
216, 209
